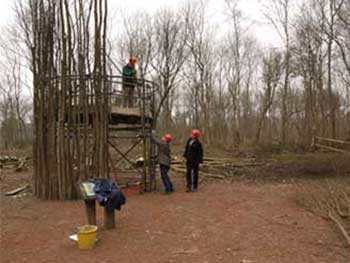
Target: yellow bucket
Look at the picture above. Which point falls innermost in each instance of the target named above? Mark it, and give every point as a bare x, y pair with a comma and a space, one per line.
87, 236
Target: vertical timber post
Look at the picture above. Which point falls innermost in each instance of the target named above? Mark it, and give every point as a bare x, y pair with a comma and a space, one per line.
109, 219
143, 123
90, 206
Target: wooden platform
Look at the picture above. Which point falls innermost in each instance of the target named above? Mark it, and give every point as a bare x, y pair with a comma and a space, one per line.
127, 127
125, 111
120, 115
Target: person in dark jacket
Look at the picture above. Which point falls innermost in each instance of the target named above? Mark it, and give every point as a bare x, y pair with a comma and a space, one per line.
129, 82
194, 156
164, 160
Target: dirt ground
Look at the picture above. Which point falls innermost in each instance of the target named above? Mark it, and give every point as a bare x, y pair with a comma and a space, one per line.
224, 222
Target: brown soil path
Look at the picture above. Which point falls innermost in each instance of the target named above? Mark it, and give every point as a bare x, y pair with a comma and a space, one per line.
243, 223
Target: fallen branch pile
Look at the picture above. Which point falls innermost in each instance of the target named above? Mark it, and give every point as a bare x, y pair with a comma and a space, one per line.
217, 168
13, 162
17, 190
330, 200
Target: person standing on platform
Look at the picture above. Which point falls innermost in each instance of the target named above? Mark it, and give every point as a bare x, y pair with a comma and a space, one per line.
129, 82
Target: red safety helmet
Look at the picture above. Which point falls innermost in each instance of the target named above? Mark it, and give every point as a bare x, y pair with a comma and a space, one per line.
196, 133
167, 137
132, 60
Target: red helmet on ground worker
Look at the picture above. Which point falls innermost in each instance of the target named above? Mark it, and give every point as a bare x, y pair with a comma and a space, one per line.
196, 133
167, 137
132, 60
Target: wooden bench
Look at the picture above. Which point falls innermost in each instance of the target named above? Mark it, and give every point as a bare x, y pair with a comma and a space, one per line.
90, 206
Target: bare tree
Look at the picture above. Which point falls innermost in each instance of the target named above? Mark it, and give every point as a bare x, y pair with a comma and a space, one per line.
169, 55
15, 105
199, 70
342, 38
240, 59
328, 10
280, 19
234, 66
272, 71
136, 40
308, 63
221, 100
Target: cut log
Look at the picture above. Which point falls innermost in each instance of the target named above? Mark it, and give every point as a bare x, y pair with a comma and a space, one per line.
17, 191
177, 162
14, 164
215, 176
178, 169
202, 174
20, 166
232, 165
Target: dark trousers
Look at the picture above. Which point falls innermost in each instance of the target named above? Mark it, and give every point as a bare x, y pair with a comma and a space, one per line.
192, 169
128, 100
168, 186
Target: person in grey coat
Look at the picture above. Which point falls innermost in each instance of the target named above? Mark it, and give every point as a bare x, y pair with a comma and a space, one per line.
164, 160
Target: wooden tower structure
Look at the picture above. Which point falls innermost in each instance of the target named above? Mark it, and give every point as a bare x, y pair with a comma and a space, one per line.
131, 128
99, 136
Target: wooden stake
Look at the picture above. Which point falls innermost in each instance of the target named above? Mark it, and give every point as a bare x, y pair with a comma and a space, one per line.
90, 206
109, 219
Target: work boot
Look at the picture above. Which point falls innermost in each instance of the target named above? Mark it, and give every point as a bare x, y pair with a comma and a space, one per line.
188, 190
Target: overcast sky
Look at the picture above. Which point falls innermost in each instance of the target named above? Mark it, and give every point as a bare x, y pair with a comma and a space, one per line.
250, 8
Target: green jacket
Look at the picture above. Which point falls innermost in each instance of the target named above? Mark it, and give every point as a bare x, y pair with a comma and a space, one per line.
129, 75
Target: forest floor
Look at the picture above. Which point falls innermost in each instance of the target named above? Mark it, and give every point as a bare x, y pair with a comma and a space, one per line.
243, 221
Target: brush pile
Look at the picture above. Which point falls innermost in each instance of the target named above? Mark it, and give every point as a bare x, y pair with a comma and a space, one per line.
218, 168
